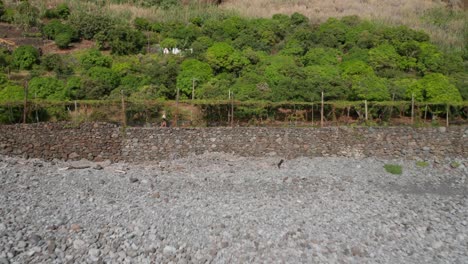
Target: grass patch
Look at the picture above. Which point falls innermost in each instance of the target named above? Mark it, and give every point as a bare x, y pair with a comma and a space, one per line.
454, 164
422, 164
393, 169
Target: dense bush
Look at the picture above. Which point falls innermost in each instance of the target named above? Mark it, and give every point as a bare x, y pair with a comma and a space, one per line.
94, 58
47, 88
98, 83
90, 24
124, 41
11, 92
26, 15
63, 40
55, 27
5, 58
61, 11
24, 57
278, 59
2, 8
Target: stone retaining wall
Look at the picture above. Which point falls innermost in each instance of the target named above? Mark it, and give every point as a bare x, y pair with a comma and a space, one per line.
100, 141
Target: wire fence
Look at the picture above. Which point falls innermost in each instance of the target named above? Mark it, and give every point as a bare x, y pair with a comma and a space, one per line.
194, 113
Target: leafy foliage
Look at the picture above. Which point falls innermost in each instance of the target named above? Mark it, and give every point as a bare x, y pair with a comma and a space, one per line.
98, 83
94, 58
284, 58
193, 71
24, 57
47, 88
89, 25
11, 92
124, 41
26, 15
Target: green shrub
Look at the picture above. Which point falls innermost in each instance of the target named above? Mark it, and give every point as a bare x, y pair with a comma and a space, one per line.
455, 164
98, 83
47, 88
11, 92
2, 8
124, 41
63, 40
422, 164
51, 61
142, 23
8, 15
94, 58
24, 57
393, 169
5, 58
26, 15
63, 11
90, 24
55, 27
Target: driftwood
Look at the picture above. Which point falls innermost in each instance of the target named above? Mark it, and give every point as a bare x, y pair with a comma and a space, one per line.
78, 167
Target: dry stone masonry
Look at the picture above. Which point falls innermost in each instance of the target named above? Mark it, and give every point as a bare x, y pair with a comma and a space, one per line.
102, 141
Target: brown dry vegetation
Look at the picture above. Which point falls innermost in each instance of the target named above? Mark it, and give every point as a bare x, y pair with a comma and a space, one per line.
395, 12
450, 35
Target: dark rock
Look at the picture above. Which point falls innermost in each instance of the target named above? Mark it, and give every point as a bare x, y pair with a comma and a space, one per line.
134, 180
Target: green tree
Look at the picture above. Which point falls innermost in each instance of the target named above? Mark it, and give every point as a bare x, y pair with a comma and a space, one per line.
63, 40
124, 41
460, 80
370, 87
142, 24
402, 89
436, 88
168, 43
325, 78
293, 47
322, 56
11, 92
332, 33
98, 83
73, 87
222, 56
47, 88
193, 70
94, 58
90, 24
202, 44
56, 27
364, 84
24, 57
384, 56
429, 59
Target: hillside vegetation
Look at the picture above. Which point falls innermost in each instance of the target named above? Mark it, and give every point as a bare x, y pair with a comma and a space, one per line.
444, 21
279, 58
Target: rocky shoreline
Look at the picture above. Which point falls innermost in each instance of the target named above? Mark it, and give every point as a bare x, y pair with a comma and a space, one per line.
218, 208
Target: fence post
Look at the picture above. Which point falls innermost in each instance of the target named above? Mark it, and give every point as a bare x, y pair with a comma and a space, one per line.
425, 114
35, 107
312, 113
321, 112
232, 110
447, 117
229, 111
412, 109
124, 115
176, 117
25, 106
365, 106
